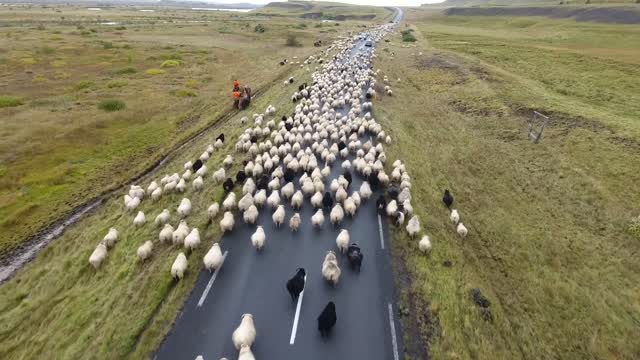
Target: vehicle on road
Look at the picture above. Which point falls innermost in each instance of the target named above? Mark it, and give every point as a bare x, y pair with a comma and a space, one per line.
368, 43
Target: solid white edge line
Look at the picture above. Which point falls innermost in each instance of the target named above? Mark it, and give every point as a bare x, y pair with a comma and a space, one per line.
380, 231
294, 330
394, 340
213, 278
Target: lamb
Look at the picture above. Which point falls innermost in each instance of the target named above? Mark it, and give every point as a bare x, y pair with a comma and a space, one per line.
342, 240
98, 255
245, 353
245, 333
330, 269
297, 200
230, 202
184, 209
212, 211
250, 215
227, 185
192, 240
144, 251
139, 220
213, 258
461, 230
182, 185
327, 319
336, 215
258, 238
132, 204
278, 216
392, 208
179, 266
295, 285
425, 244
413, 227
294, 222
318, 218
454, 217
274, 199
162, 218
227, 222
180, 233
166, 234
110, 239
260, 198
365, 191
447, 199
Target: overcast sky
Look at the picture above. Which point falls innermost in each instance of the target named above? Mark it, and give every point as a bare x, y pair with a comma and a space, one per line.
359, 2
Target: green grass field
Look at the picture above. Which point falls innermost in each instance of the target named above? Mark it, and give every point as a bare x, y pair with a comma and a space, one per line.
551, 241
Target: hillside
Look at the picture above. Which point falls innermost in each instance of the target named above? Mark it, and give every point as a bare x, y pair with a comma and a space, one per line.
321, 10
609, 14
474, 3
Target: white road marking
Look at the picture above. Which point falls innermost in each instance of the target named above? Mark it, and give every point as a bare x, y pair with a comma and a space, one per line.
394, 340
213, 278
294, 330
380, 231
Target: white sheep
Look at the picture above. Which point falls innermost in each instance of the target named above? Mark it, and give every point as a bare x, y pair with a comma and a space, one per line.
355, 196
162, 218
192, 240
188, 165
294, 222
258, 238
110, 239
365, 191
202, 171
250, 215
213, 211
219, 175
318, 218
184, 209
330, 269
297, 199
156, 194
245, 202
408, 208
179, 266
413, 227
336, 215
144, 251
350, 206
260, 198
316, 200
341, 194
166, 234
229, 202
98, 255
404, 195
187, 174
342, 240
213, 258
249, 187
278, 216
180, 233
132, 204
227, 222
228, 161
392, 208
182, 185
198, 183
245, 353
245, 333
461, 230
454, 217
425, 244
139, 220
274, 199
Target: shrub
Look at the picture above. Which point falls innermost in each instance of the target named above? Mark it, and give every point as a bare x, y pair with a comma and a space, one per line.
170, 63
634, 226
41, 27
111, 105
407, 36
259, 28
116, 84
292, 41
93, 30
121, 28
84, 84
127, 70
154, 72
186, 93
192, 84
80, 27
300, 26
171, 56
10, 101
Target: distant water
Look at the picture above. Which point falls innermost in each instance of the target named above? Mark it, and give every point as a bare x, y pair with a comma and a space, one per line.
147, 10
94, 9
212, 9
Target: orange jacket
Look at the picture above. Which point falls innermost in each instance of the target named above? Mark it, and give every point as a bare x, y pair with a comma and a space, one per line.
236, 95
236, 83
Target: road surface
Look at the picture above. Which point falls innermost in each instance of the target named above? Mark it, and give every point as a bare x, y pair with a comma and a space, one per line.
252, 282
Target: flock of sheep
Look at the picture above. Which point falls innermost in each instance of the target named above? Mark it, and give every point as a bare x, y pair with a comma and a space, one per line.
287, 162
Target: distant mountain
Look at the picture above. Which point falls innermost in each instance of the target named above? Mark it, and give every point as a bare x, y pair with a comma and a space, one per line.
468, 3
167, 3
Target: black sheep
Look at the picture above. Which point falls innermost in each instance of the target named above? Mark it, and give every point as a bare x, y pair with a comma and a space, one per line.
368, 96
341, 145
393, 192
289, 175
241, 176
399, 218
284, 118
263, 182
220, 137
295, 285
355, 256
374, 182
381, 204
347, 176
327, 200
227, 185
288, 126
197, 165
254, 139
327, 319
447, 199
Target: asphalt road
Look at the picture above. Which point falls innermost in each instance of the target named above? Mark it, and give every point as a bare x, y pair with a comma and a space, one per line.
252, 282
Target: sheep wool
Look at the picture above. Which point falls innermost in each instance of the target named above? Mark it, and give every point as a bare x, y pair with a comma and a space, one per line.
245, 353
227, 222
166, 234
213, 258
250, 215
192, 240
162, 218
180, 233
213, 210
245, 333
98, 255
413, 227
133, 203
110, 239
198, 183
365, 191
278, 216
139, 220
337, 214
342, 240
179, 266
156, 194
318, 218
425, 244
454, 217
462, 230
258, 238
392, 207
316, 200
294, 222
260, 198
184, 209
330, 269
144, 251
230, 202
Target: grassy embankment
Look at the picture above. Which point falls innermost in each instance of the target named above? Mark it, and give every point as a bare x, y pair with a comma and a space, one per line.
57, 306
549, 239
61, 140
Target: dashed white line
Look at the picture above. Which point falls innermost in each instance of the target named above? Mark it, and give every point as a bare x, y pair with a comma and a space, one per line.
213, 278
380, 231
294, 330
394, 340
